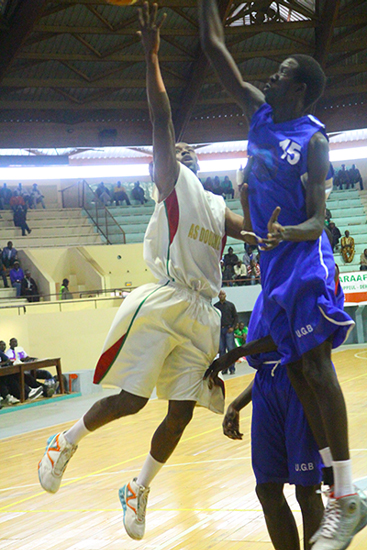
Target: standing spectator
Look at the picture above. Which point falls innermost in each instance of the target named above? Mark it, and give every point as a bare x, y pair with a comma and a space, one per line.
363, 261
65, 293
120, 195
36, 197
347, 248
240, 334
228, 323
3, 272
138, 193
208, 184
29, 288
217, 188
230, 260
343, 177
227, 187
5, 195
240, 273
335, 234
20, 219
103, 194
355, 176
9, 255
16, 276
246, 256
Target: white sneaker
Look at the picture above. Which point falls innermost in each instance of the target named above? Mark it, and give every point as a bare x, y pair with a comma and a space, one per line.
35, 393
134, 499
11, 400
343, 518
52, 466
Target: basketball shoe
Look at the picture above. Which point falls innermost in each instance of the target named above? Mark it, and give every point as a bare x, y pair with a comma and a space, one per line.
344, 517
134, 499
53, 463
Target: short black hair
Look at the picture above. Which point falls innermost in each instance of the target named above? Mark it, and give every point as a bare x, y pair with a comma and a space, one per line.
310, 72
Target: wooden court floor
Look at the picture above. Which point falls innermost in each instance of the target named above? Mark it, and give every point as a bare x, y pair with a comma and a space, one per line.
202, 499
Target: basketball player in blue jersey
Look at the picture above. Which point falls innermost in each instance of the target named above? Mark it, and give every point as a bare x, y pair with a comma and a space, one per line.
283, 448
286, 193
174, 317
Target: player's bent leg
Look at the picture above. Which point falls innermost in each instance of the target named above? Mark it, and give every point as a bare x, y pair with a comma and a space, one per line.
134, 495
60, 448
279, 519
312, 508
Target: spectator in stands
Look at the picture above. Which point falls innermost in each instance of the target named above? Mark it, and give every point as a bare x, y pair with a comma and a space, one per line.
240, 334
355, 176
16, 276
9, 255
22, 192
16, 200
36, 197
230, 260
229, 321
327, 217
208, 184
240, 273
20, 219
17, 354
347, 247
29, 288
363, 261
246, 255
103, 194
227, 187
6, 195
253, 274
120, 195
65, 293
138, 193
343, 177
335, 234
217, 188
9, 384
3, 271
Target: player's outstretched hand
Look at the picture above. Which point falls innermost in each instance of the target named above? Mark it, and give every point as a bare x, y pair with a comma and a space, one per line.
149, 28
231, 423
275, 232
217, 366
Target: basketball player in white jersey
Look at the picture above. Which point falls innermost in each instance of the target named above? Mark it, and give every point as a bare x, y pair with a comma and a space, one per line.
166, 334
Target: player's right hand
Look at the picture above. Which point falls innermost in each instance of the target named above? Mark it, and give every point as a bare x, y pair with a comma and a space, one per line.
231, 423
149, 28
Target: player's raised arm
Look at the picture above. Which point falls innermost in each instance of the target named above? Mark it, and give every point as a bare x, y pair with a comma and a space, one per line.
166, 168
248, 97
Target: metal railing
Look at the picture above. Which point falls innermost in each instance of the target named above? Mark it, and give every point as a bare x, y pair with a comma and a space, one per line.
76, 295
81, 195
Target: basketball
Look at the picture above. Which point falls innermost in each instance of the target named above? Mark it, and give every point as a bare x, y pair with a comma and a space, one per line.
122, 2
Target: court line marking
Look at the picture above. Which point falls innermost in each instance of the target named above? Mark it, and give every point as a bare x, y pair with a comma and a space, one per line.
359, 356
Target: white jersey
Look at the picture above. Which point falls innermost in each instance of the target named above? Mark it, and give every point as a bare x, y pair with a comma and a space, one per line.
185, 237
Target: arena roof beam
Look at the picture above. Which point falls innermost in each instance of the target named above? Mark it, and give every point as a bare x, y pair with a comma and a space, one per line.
328, 11
20, 24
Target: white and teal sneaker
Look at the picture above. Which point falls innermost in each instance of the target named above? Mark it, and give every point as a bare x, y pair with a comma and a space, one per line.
134, 499
53, 463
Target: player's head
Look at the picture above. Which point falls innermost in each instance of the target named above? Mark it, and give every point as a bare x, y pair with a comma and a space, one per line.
187, 156
298, 77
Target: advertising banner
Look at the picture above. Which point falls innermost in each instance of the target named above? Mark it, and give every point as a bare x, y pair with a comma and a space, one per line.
354, 285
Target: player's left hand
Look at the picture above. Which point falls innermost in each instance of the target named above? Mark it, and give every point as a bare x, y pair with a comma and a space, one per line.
216, 367
275, 232
231, 423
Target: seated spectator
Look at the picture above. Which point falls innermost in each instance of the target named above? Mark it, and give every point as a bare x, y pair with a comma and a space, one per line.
103, 194
363, 261
227, 187
343, 177
217, 188
208, 184
240, 273
355, 176
138, 193
5, 196
16, 276
230, 260
240, 334
335, 234
22, 192
3, 271
254, 272
36, 197
9, 255
347, 247
16, 201
120, 195
20, 219
65, 293
28, 288
9, 384
17, 354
